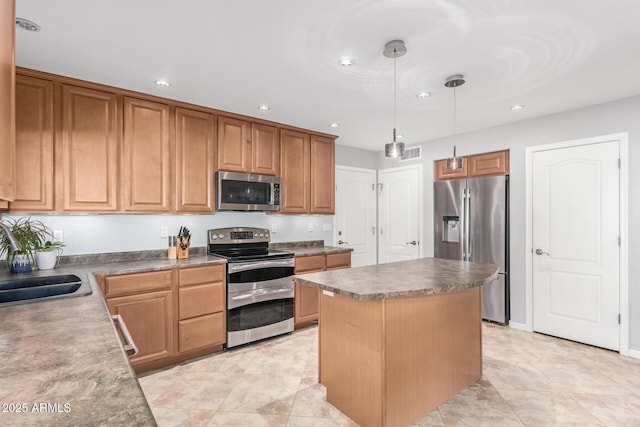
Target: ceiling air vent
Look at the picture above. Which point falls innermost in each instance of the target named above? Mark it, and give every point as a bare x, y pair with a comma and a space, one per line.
411, 153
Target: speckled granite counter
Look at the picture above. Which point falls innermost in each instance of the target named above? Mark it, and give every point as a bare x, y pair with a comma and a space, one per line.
62, 362
424, 276
309, 248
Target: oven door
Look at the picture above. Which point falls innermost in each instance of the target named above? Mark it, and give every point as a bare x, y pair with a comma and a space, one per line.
259, 300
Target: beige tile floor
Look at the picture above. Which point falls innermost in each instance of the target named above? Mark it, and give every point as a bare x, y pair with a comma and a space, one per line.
528, 379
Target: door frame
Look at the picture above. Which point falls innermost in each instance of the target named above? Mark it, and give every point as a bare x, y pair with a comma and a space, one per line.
374, 173
623, 140
420, 205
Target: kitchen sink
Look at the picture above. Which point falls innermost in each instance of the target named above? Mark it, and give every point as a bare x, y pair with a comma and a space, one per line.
39, 288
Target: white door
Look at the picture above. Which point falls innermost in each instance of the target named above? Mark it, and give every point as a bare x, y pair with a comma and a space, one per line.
400, 213
356, 213
576, 253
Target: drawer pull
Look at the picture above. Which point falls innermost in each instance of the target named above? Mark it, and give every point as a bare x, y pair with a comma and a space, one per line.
129, 346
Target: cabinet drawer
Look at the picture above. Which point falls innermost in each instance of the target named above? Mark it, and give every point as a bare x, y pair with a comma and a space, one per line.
201, 299
208, 274
137, 283
201, 332
307, 264
336, 261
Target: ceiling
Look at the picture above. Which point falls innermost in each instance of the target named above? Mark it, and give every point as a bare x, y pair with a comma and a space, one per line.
547, 55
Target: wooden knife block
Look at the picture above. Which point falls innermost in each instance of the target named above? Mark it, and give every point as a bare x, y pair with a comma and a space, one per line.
182, 253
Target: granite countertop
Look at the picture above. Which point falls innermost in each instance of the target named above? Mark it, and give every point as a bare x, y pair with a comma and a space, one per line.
66, 353
309, 248
424, 276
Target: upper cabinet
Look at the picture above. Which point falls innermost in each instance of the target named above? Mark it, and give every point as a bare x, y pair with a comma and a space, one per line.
247, 147
265, 149
89, 150
485, 164
145, 157
307, 165
195, 159
7, 101
295, 162
322, 175
34, 145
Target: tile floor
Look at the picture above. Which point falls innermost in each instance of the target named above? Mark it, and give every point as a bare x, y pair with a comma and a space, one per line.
528, 379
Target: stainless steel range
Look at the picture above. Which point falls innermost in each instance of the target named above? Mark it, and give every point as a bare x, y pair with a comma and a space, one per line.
259, 287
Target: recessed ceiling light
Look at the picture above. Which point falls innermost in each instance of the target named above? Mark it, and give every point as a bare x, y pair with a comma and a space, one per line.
399, 136
423, 95
27, 25
346, 62
264, 108
333, 125
163, 83
516, 107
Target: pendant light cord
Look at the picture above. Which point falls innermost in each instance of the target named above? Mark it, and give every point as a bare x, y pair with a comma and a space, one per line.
395, 94
455, 114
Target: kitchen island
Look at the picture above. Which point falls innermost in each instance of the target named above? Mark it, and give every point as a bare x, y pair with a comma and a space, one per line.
398, 339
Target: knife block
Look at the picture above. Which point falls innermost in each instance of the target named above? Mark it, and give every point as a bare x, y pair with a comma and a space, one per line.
182, 253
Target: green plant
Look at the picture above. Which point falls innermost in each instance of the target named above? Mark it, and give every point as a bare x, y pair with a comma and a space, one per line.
30, 233
49, 246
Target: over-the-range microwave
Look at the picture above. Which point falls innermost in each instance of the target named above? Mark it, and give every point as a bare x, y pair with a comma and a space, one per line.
247, 192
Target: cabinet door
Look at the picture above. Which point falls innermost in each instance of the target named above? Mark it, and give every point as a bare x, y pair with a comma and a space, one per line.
89, 150
149, 319
306, 300
323, 175
442, 172
295, 174
7, 99
233, 145
195, 157
338, 261
34, 145
496, 163
146, 156
265, 149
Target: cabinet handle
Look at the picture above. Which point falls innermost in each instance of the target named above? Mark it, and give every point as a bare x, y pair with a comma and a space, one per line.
129, 346
340, 242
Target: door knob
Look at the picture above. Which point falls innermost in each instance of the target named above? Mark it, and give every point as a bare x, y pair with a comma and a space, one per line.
413, 242
541, 252
340, 242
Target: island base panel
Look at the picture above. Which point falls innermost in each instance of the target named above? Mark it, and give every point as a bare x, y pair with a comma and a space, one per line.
389, 362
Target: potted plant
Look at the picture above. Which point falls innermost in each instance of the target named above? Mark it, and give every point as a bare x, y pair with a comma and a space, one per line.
30, 234
48, 254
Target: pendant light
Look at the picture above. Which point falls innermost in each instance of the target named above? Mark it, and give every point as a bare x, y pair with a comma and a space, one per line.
394, 49
454, 81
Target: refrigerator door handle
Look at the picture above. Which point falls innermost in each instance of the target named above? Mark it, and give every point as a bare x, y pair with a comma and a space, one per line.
467, 216
464, 225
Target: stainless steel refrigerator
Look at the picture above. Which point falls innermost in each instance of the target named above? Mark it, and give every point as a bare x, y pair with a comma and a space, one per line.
471, 223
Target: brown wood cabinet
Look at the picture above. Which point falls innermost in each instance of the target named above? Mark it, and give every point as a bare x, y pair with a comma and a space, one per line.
195, 159
234, 146
146, 303
322, 175
265, 149
89, 150
485, 164
34, 145
7, 101
307, 297
201, 308
295, 161
145, 157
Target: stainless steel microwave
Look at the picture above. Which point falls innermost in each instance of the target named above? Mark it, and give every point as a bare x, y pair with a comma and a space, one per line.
247, 192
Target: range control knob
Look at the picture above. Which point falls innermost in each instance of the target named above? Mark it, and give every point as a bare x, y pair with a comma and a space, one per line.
266, 234
220, 236
261, 235
214, 237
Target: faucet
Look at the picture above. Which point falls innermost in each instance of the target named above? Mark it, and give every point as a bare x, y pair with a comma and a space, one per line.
13, 243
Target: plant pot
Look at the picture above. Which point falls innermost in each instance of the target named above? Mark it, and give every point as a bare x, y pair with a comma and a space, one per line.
47, 260
20, 264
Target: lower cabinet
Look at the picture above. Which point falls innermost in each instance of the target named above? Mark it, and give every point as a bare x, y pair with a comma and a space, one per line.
172, 315
306, 299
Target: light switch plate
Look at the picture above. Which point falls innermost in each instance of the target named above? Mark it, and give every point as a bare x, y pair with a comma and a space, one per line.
58, 236
326, 226
274, 229
164, 232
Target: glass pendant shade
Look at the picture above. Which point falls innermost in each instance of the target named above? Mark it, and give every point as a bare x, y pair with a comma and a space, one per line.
455, 162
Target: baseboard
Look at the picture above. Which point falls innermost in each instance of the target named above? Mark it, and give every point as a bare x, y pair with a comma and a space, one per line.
518, 326
634, 353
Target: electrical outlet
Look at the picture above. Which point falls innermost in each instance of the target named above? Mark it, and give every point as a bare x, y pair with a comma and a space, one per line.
274, 229
326, 226
58, 236
310, 226
164, 232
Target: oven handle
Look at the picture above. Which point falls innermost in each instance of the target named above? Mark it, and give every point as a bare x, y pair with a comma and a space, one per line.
259, 295
236, 267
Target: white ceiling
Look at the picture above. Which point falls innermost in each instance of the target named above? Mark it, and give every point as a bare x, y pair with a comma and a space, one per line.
550, 55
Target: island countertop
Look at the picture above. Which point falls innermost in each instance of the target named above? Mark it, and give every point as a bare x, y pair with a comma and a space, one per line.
423, 276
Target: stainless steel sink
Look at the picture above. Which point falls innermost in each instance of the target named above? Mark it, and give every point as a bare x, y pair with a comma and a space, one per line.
38, 288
